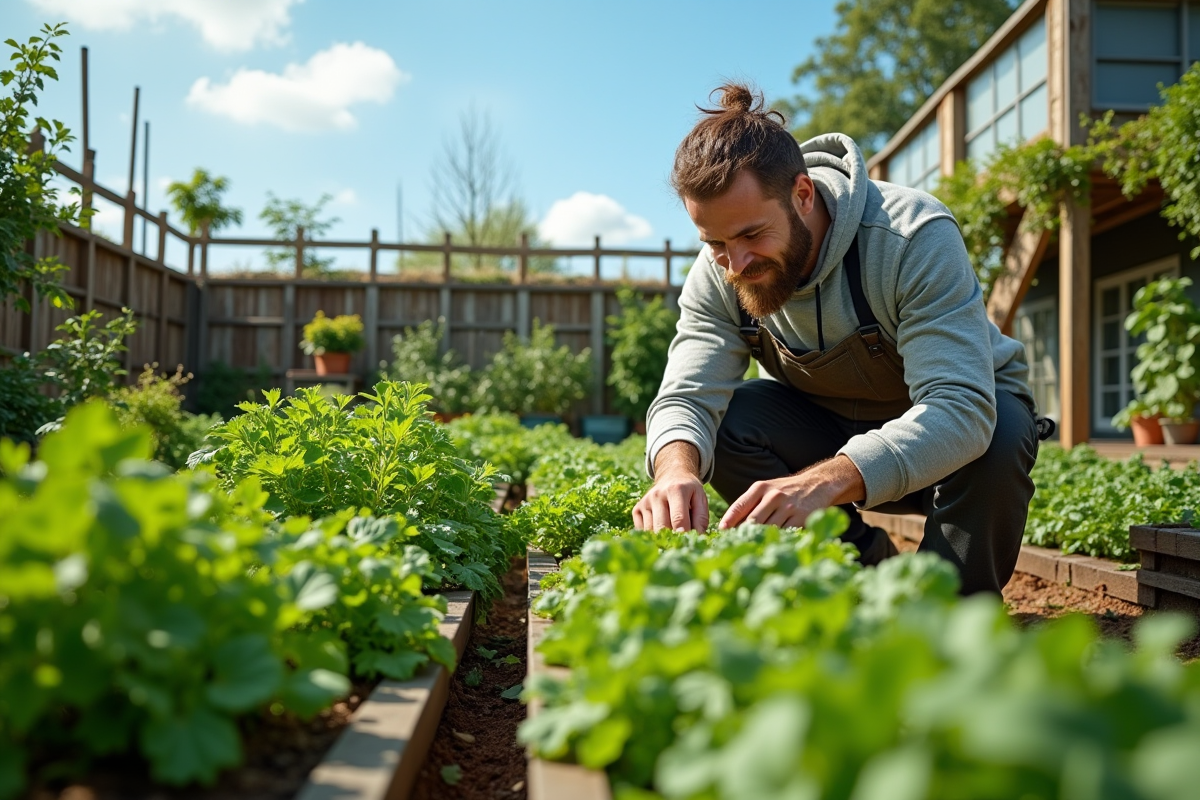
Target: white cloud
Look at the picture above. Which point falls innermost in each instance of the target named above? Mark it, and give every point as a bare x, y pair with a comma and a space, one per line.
224, 24
314, 96
346, 197
574, 222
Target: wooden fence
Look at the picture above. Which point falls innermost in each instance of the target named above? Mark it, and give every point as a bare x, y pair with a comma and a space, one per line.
191, 318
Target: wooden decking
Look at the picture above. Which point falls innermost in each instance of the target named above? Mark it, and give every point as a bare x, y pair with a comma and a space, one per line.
1177, 456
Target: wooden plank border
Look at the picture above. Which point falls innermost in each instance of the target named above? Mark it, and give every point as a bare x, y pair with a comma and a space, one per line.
552, 780
380, 754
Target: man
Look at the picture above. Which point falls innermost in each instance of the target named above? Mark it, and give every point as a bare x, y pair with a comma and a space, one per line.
890, 389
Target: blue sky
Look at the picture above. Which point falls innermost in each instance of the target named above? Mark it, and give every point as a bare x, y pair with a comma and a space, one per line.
304, 97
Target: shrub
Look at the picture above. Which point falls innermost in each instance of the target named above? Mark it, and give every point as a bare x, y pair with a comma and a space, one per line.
86, 363
341, 334
534, 376
157, 403
415, 359
222, 387
23, 407
640, 339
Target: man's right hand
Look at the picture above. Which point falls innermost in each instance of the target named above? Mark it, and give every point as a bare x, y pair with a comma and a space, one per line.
676, 500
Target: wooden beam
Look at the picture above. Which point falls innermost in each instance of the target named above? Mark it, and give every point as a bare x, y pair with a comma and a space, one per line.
1131, 212
1074, 323
1020, 266
952, 130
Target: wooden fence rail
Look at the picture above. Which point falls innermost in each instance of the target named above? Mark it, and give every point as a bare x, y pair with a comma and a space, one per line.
192, 318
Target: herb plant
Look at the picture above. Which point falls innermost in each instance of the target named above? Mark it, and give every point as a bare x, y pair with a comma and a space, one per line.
341, 334
561, 522
501, 440
534, 376
317, 455
415, 359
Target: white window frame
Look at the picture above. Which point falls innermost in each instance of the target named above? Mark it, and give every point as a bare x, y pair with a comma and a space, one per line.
1168, 266
989, 126
1026, 311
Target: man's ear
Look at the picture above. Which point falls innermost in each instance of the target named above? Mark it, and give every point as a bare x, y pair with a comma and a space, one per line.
804, 194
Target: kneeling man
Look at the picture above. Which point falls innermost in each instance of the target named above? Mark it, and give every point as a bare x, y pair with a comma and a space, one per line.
889, 388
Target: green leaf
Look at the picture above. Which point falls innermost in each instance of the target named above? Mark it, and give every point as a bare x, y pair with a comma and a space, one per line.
245, 673
513, 692
484, 652
193, 746
312, 588
307, 691
451, 774
399, 665
409, 621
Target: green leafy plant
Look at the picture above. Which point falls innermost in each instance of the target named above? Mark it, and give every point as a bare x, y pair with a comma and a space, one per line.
415, 359
1084, 503
156, 402
85, 363
340, 334
1136, 407
29, 150
1166, 379
534, 376
317, 456
502, 441
640, 337
24, 408
222, 387
561, 522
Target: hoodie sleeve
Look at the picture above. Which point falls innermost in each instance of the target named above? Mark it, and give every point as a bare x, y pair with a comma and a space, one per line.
944, 337
706, 362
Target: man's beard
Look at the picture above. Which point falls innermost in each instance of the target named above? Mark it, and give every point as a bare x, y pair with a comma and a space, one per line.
765, 297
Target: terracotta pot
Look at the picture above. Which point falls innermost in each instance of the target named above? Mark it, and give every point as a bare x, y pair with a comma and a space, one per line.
333, 363
1180, 432
1146, 430
639, 427
451, 415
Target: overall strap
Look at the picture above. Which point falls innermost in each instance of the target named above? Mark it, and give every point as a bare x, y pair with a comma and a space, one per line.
749, 329
868, 325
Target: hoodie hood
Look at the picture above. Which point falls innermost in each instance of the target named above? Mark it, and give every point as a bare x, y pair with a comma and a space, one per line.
839, 171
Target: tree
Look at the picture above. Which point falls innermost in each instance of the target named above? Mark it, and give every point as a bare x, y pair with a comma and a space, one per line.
199, 203
28, 203
285, 217
474, 194
884, 60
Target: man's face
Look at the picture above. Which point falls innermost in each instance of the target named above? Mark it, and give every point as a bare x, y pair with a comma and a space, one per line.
762, 243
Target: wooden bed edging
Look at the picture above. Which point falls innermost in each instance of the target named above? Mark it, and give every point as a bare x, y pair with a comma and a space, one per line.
379, 756
1170, 573
552, 780
1082, 572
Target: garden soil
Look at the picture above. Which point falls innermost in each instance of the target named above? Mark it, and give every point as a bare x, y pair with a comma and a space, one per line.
478, 732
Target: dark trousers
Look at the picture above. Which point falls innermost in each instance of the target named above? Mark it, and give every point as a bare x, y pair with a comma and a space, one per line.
975, 516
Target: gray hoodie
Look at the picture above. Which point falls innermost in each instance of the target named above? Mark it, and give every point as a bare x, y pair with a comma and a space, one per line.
921, 287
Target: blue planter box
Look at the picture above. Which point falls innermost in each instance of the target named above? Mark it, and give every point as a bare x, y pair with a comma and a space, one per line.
533, 420
605, 428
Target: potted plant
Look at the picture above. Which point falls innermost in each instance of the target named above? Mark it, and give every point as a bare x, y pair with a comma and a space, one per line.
640, 337
332, 341
1166, 377
1143, 420
536, 379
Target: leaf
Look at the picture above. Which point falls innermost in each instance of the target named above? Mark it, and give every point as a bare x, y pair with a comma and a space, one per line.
190, 747
246, 673
312, 588
451, 774
483, 652
307, 691
409, 621
511, 659
399, 665
513, 692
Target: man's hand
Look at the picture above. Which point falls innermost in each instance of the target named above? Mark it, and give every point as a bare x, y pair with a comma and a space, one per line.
676, 500
788, 501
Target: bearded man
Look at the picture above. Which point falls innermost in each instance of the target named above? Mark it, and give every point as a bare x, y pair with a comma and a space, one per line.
889, 388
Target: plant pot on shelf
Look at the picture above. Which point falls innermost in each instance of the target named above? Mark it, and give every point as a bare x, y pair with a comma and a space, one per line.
332, 363
1147, 430
1180, 431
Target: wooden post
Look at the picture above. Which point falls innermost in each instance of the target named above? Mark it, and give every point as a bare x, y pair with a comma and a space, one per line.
299, 251
445, 306
952, 130
130, 216
597, 344
130, 269
446, 258
667, 265
137, 94
596, 264
204, 251
289, 343
191, 257
373, 267
523, 259
164, 288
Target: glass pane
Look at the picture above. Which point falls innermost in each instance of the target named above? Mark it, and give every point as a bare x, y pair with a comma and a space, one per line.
1131, 290
1006, 78
898, 167
1006, 128
1132, 84
1110, 301
1111, 336
1035, 113
1111, 404
1136, 31
979, 148
932, 148
980, 106
1111, 370
1032, 48
1194, 32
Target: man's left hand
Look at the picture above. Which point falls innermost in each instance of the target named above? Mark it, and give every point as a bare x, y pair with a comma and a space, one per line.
788, 501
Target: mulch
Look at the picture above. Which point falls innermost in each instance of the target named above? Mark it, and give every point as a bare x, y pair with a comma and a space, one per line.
478, 731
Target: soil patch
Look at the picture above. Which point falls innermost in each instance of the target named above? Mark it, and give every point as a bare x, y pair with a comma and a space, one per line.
478, 731
280, 752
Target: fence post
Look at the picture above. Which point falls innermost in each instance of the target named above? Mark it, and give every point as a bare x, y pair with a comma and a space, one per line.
288, 345
204, 251
523, 259
596, 265
667, 259
598, 376
191, 256
130, 215
163, 288
371, 323
446, 257
130, 270
299, 251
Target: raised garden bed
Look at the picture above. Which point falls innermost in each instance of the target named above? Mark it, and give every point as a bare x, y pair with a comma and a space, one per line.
382, 750
552, 780
1169, 577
